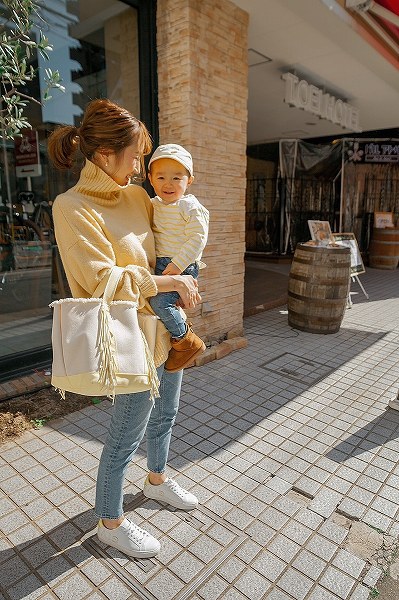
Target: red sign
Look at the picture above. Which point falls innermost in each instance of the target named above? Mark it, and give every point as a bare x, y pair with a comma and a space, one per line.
27, 158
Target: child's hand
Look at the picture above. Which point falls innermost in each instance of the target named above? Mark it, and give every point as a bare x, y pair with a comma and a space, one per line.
171, 269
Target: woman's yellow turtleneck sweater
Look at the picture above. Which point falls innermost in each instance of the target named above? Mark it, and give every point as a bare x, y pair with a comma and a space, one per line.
99, 224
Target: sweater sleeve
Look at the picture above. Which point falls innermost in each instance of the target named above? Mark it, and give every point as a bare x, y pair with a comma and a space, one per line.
88, 256
196, 219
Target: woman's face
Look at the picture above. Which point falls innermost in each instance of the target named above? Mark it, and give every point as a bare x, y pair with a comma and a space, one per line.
123, 166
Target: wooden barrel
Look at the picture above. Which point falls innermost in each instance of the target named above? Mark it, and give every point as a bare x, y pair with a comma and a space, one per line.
384, 248
318, 288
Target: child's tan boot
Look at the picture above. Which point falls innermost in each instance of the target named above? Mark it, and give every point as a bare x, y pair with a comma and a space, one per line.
184, 351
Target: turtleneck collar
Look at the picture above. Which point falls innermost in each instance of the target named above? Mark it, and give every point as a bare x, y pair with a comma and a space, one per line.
94, 182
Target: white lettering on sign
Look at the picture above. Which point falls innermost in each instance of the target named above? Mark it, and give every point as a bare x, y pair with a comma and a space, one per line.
308, 97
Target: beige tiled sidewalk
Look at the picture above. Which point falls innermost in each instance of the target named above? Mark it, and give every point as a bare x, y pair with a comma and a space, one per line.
289, 446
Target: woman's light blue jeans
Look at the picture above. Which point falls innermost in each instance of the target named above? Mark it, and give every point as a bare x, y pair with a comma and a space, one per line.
134, 415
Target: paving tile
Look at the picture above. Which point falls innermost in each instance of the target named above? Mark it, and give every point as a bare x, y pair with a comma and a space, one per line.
6, 506
233, 594
77, 587
247, 551
325, 502
309, 518
260, 533
231, 569
46, 483
205, 549
297, 532
321, 547
252, 506
232, 494
333, 532
309, 564
278, 594
13, 521
372, 576
239, 518
16, 569
65, 536
39, 552
273, 518
24, 535
37, 507
279, 485
16, 482
295, 583
50, 520
251, 584
213, 588
386, 507
376, 519
360, 593
350, 564
284, 548
307, 486
320, 593
186, 567
337, 582
6, 550
29, 588
352, 509
268, 564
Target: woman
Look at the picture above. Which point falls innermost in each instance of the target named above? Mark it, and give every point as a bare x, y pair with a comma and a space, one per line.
101, 222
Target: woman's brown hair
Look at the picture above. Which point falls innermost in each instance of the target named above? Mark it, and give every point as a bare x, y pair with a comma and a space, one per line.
105, 126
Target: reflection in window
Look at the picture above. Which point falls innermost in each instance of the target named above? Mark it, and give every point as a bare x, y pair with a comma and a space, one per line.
95, 48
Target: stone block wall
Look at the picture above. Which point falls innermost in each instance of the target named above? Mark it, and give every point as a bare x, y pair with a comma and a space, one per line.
202, 80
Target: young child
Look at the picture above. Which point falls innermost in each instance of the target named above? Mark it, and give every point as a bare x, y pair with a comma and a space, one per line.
180, 231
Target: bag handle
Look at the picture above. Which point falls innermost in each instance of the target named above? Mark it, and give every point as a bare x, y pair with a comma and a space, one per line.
108, 290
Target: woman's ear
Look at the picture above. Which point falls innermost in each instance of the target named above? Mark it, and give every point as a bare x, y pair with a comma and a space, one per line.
100, 159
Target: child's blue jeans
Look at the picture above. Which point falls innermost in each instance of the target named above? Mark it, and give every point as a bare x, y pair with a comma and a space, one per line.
164, 304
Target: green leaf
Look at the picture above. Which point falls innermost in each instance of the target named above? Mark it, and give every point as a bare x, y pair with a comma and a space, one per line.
39, 423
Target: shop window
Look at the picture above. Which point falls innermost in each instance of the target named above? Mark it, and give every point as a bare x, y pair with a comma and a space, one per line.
96, 49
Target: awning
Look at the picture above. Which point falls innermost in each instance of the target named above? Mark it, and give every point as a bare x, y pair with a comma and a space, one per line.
386, 12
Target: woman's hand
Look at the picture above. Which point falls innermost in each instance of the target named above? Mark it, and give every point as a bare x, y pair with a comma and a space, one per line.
185, 285
187, 288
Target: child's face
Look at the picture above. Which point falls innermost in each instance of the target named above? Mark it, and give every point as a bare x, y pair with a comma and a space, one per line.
169, 179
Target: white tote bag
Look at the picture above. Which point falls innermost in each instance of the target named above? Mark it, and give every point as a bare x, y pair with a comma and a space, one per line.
98, 346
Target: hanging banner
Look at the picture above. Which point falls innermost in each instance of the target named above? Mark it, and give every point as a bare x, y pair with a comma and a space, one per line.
372, 152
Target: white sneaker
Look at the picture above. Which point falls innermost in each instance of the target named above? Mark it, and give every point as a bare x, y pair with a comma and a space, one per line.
129, 539
394, 403
171, 493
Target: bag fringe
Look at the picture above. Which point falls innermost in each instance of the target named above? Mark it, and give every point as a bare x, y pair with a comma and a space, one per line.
61, 392
152, 371
108, 367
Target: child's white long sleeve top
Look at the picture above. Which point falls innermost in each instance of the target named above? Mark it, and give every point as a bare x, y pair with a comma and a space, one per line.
180, 229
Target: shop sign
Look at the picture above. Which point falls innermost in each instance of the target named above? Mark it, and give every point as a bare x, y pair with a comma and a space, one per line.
372, 152
27, 157
308, 97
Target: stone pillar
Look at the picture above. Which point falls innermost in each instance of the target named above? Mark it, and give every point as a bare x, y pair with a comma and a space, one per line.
202, 79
